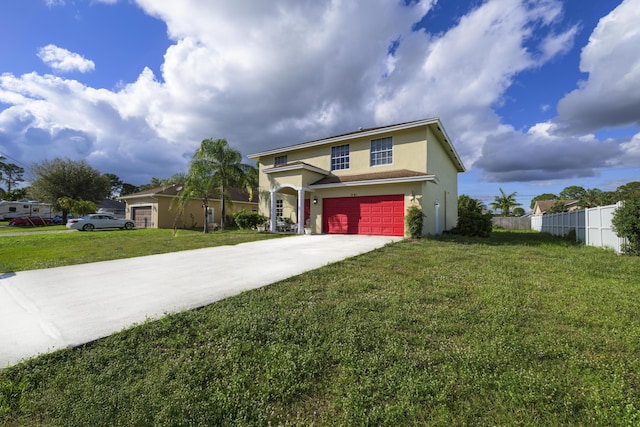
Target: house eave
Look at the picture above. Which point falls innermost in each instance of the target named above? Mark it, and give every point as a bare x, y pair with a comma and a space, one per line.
402, 180
303, 166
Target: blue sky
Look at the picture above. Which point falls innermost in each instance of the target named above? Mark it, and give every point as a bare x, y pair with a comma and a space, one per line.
536, 95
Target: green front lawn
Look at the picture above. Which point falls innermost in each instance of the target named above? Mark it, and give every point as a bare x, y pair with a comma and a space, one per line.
519, 329
30, 251
6, 228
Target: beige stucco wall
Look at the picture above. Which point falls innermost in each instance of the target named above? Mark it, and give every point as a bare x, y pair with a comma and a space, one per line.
445, 191
409, 152
164, 211
193, 214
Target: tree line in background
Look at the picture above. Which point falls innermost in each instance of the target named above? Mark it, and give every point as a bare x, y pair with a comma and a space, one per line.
507, 205
475, 220
76, 187
588, 198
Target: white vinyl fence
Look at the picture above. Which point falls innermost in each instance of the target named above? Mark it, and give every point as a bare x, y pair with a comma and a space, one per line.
592, 226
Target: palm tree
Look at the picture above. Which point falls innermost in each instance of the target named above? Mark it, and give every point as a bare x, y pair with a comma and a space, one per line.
505, 202
215, 168
469, 204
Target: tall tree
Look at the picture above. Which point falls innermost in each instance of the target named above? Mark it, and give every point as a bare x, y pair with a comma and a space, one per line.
217, 167
591, 197
572, 192
67, 178
505, 202
115, 185
2, 165
11, 174
128, 189
629, 189
154, 183
609, 198
198, 184
558, 207
17, 194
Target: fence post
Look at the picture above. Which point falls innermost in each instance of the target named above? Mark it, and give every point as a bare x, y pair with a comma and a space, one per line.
587, 234
600, 224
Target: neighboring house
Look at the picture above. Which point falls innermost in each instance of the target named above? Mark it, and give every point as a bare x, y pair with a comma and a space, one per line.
112, 207
542, 206
363, 182
157, 208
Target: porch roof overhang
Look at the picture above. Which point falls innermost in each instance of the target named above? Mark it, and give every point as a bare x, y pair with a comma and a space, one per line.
296, 166
395, 177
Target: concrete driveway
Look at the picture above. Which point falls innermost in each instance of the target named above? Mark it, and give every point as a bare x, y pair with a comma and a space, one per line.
45, 310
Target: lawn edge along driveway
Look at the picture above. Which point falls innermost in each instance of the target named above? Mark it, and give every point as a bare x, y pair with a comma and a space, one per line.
49, 309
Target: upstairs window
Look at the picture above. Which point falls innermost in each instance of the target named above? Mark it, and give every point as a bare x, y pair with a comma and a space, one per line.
280, 160
381, 151
340, 157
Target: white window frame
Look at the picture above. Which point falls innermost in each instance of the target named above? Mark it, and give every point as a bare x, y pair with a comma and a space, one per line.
280, 160
381, 152
340, 157
279, 208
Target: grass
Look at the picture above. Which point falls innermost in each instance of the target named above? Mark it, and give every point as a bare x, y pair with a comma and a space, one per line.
5, 228
518, 329
30, 251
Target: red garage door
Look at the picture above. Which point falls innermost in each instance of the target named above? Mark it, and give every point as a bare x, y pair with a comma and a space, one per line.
376, 215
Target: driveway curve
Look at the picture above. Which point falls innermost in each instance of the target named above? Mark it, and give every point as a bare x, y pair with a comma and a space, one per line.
55, 308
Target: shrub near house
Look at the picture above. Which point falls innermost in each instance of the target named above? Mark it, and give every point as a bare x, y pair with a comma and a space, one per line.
471, 220
249, 220
626, 223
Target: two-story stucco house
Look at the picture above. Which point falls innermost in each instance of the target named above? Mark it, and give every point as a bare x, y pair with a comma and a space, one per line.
363, 182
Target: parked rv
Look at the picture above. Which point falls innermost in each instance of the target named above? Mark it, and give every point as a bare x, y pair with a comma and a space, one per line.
24, 207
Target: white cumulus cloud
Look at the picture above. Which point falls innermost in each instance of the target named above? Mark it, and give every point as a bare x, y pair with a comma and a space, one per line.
63, 60
268, 74
610, 96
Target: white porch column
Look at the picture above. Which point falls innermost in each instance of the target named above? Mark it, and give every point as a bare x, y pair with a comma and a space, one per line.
301, 211
272, 225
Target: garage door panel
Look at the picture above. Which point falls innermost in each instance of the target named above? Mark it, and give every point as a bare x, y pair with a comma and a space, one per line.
375, 215
142, 216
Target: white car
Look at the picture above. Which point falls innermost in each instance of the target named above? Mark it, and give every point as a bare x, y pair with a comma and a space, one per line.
95, 221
